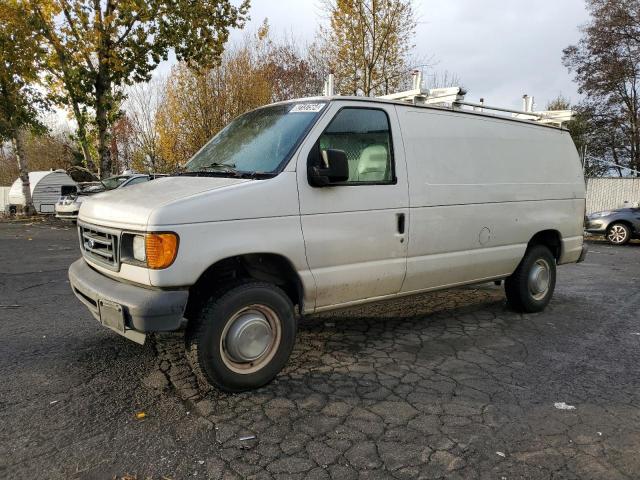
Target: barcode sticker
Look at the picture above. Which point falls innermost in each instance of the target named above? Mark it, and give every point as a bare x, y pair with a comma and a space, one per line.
307, 108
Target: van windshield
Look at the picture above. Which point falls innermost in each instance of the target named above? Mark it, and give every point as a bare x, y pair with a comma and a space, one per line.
256, 143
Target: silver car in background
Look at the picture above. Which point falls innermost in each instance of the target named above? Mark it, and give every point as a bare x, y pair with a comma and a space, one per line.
68, 206
618, 226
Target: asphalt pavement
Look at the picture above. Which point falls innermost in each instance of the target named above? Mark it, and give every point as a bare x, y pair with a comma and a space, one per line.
445, 385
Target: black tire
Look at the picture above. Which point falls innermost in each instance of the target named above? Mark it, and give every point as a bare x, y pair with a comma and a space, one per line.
521, 288
206, 347
618, 234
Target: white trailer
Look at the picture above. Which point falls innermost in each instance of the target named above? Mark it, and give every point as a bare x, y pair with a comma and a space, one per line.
46, 188
4, 198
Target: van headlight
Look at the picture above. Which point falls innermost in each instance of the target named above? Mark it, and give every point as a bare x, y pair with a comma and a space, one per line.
600, 214
151, 250
139, 251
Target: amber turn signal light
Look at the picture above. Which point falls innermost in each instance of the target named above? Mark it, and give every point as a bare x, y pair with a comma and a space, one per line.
161, 249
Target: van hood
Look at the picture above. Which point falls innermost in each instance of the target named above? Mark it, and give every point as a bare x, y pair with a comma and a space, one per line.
130, 207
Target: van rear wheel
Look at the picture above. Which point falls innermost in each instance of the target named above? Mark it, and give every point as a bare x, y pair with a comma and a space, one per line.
243, 336
530, 288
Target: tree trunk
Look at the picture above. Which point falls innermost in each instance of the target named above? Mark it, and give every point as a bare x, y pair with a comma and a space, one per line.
82, 136
86, 154
103, 92
104, 153
18, 145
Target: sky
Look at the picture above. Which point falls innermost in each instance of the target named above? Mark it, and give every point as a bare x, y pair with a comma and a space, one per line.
499, 49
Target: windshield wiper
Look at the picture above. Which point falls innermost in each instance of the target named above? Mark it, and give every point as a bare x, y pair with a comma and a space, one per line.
227, 167
213, 169
224, 169
256, 175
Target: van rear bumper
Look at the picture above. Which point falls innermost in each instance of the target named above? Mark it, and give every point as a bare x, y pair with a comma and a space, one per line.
573, 250
143, 310
583, 254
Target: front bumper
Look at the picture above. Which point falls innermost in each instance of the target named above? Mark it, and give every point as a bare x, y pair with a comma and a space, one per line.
144, 310
67, 215
596, 226
67, 211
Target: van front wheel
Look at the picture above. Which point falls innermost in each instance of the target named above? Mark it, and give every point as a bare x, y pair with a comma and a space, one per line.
243, 336
530, 288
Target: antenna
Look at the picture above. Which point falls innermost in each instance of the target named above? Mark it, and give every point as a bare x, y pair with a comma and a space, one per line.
329, 85
527, 103
417, 79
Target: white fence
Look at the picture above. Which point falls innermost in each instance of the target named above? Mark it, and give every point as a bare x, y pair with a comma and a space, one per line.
4, 198
611, 192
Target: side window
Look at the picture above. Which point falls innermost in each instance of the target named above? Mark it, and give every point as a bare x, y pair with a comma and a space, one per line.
68, 190
365, 137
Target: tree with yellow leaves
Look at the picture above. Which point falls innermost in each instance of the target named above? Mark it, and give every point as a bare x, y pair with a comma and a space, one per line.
20, 99
367, 43
97, 47
198, 104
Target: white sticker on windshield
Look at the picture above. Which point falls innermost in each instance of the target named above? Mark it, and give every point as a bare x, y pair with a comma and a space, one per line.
307, 108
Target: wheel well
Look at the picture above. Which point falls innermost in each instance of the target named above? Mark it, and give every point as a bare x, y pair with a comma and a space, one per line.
266, 267
550, 239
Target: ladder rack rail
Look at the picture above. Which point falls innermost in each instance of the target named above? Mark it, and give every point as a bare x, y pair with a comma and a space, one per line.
497, 109
454, 98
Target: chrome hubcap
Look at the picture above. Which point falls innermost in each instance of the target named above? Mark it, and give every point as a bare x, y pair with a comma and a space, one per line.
617, 234
539, 278
250, 339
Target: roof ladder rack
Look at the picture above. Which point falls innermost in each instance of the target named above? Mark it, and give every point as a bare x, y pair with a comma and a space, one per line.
433, 96
454, 98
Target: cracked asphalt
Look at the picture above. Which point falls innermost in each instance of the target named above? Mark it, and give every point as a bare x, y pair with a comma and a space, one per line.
446, 385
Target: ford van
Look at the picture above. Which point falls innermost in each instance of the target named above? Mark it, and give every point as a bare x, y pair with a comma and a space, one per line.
323, 203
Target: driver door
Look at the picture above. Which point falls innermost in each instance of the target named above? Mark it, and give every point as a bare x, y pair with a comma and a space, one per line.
355, 231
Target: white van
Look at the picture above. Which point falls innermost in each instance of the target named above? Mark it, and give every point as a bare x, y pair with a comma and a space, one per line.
317, 204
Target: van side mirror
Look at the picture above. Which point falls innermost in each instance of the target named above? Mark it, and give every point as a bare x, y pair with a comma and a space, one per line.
327, 167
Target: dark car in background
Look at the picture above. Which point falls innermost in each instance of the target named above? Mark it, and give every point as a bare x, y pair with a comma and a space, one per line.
618, 226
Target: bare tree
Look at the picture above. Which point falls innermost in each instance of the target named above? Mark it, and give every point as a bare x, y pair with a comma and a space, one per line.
290, 70
442, 79
367, 44
606, 63
141, 107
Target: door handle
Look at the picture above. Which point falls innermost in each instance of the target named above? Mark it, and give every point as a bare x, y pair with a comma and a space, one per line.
401, 223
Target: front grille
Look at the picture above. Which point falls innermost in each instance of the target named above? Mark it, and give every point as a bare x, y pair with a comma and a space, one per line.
100, 245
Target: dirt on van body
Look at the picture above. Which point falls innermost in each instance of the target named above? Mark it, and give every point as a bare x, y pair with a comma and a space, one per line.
444, 385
